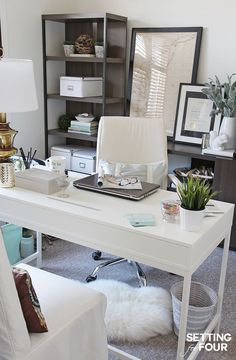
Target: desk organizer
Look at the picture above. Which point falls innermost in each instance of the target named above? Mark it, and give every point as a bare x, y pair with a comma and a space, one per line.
42, 181
84, 160
80, 87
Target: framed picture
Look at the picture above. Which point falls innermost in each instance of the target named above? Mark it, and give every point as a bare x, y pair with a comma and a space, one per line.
160, 59
193, 117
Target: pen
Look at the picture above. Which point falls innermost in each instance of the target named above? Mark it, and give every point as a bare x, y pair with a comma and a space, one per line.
23, 157
100, 177
32, 157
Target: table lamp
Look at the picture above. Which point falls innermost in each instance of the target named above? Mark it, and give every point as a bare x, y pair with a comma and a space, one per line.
17, 94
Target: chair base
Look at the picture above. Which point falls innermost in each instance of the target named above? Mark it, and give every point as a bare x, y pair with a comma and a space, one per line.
96, 256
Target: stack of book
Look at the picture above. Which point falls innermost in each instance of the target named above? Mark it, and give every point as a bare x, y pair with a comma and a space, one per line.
79, 127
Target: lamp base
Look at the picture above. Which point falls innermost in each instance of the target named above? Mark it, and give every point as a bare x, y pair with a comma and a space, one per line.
7, 174
7, 136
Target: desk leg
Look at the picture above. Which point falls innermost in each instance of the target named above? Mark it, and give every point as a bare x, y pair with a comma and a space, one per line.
183, 316
222, 280
39, 249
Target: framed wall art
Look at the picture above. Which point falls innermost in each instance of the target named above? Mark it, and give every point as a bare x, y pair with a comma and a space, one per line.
193, 115
160, 59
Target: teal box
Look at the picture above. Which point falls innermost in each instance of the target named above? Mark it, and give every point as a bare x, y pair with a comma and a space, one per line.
12, 235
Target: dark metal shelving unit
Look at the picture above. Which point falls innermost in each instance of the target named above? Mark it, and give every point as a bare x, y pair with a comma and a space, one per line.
112, 31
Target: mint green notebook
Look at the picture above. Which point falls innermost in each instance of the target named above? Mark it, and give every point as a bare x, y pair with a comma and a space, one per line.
141, 219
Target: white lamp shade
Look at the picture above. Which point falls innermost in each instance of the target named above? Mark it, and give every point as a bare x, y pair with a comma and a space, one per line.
17, 86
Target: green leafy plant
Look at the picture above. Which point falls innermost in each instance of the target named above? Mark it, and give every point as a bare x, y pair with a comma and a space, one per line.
98, 43
64, 122
194, 193
223, 95
67, 42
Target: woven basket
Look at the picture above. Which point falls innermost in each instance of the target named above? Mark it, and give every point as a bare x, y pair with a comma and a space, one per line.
202, 304
84, 44
7, 174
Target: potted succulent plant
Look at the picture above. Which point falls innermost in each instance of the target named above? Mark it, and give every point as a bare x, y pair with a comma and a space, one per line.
194, 194
69, 47
99, 49
223, 96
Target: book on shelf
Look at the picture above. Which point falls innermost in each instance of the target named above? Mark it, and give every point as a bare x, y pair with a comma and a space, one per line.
82, 125
76, 131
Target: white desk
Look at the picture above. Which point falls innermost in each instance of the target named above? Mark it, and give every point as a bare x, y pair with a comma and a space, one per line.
97, 221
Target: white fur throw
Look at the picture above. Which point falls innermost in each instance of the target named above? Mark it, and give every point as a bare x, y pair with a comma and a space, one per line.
135, 314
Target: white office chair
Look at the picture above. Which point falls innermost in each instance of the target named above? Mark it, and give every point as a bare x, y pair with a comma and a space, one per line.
132, 146
74, 315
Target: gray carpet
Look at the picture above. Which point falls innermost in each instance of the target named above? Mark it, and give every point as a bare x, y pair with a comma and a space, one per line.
75, 262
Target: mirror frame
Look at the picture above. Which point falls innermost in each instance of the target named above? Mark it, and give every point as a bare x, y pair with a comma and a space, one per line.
159, 33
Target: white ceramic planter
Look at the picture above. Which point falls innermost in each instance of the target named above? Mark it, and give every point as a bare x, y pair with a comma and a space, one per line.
99, 51
69, 49
190, 220
228, 127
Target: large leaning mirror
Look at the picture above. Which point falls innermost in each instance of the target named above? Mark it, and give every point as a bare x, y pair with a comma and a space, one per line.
160, 59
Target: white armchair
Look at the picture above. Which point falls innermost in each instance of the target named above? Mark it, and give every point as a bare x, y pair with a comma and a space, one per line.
74, 315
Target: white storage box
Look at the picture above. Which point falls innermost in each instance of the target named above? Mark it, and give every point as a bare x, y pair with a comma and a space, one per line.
80, 86
84, 160
66, 151
38, 180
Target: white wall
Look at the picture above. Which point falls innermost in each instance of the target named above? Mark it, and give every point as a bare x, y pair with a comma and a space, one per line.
23, 26
22, 38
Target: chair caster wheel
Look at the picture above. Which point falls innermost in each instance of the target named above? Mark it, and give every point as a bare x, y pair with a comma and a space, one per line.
91, 278
96, 255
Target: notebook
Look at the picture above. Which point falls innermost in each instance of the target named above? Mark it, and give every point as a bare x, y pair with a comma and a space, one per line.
90, 183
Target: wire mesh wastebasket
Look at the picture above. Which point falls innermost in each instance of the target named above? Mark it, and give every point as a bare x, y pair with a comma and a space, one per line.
202, 305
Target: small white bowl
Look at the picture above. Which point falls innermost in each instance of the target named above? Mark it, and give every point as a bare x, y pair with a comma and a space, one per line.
86, 119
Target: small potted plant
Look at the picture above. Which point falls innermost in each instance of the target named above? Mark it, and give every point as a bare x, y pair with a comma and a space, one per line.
99, 49
64, 122
194, 194
223, 96
69, 47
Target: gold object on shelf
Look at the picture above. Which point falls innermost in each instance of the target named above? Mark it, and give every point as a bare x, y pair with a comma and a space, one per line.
7, 136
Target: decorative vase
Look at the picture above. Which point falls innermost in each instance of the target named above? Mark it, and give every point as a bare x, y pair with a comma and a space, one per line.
27, 246
228, 127
190, 220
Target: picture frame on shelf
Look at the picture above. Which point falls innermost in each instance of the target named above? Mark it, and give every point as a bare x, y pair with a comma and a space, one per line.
161, 59
193, 115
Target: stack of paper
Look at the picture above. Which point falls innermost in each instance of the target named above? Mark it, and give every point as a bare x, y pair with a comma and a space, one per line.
225, 153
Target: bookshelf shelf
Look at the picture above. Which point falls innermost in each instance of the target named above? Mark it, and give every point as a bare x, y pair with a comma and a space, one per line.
86, 60
95, 99
102, 27
66, 134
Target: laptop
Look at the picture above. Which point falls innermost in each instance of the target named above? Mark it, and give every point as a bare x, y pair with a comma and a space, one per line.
90, 183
